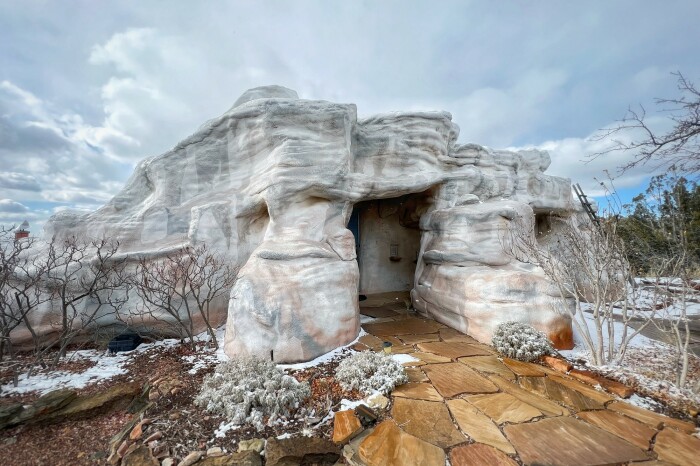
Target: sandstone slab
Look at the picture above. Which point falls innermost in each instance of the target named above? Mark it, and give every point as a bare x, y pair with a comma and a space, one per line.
503, 407
416, 375
586, 390
408, 326
289, 450
388, 445
650, 418
478, 426
413, 339
678, 448
525, 369
417, 391
452, 379
377, 312
427, 420
548, 387
547, 407
452, 350
478, 455
452, 335
430, 358
345, 426
489, 364
568, 441
633, 431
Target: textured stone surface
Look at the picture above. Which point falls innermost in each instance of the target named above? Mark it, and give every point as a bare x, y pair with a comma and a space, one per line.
478, 426
389, 445
634, 432
272, 183
452, 350
416, 375
549, 408
502, 407
598, 396
345, 426
650, 418
377, 312
284, 451
559, 364
454, 378
430, 358
241, 458
678, 448
141, 456
526, 369
413, 339
489, 364
567, 441
479, 455
450, 334
427, 420
418, 391
549, 388
407, 326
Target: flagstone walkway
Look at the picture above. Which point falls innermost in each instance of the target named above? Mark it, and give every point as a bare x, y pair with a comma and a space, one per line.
466, 404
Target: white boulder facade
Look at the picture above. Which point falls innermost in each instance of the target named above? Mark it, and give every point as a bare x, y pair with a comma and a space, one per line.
277, 183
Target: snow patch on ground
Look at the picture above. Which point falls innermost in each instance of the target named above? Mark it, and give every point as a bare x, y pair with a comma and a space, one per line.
403, 358
106, 366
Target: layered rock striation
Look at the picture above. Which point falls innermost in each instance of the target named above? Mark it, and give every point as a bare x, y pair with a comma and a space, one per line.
272, 184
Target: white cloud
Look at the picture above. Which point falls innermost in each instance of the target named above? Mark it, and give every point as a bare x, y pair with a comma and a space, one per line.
10, 206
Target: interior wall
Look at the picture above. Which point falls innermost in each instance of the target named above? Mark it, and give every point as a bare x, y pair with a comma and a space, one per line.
380, 228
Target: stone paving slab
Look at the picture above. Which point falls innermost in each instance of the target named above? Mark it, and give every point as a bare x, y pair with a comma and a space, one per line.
568, 441
377, 312
549, 388
418, 391
427, 420
479, 455
525, 369
452, 350
416, 375
413, 339
624, 427
452, 379
389, 445
489, 364
650, 418
503, 407
407, 326
478, 426
430, 358
675, 447
452, 335
549, 408
530, 402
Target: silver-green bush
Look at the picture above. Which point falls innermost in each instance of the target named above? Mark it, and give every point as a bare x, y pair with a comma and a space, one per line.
520, 341
369, 372
248, 390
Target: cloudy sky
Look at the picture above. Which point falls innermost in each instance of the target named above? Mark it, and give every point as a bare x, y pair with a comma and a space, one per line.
89, 88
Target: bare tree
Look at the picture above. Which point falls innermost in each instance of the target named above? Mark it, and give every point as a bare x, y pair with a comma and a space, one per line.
679, 147
587, 264
12, 313
182, 286
85, 280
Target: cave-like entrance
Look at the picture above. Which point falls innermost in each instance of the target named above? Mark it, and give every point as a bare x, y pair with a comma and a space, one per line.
387, 239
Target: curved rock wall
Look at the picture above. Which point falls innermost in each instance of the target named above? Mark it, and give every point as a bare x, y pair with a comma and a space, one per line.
272, 183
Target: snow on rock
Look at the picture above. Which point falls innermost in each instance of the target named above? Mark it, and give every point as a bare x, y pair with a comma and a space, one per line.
271, 184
